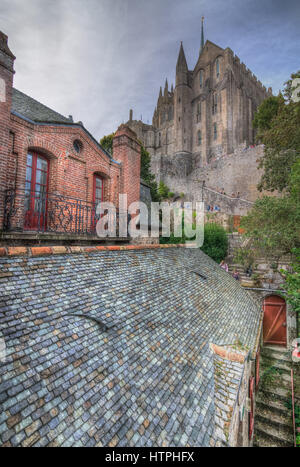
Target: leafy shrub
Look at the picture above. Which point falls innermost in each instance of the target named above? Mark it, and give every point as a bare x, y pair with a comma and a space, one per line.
163, 190
215, 242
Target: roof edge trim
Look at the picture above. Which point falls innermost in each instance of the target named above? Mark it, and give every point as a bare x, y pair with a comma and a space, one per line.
62, 250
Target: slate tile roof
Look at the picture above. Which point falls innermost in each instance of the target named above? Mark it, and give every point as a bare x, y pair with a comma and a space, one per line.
141, 374
34, 110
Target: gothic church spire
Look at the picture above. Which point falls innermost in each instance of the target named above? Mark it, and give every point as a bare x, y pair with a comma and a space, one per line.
166, 89
202, 34
181, 62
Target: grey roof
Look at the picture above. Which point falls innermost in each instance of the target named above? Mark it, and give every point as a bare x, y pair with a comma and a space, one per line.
34, 110
136, 368
27, 107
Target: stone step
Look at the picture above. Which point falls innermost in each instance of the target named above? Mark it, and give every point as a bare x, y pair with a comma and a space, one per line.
280, 393
282, 365
263, 440
276, 353
277, 405
280, 377
273, 415
276, 434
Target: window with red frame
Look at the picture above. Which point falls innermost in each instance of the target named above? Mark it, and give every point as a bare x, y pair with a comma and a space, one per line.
98, 190
36, 191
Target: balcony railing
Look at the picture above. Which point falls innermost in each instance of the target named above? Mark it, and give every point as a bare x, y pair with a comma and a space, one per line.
48, 212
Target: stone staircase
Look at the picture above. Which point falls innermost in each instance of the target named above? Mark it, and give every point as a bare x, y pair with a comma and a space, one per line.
273, 414
244, 279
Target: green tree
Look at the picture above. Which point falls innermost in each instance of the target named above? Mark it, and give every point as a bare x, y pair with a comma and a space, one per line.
292, 285
146, 174
107, 142
265, 114
278, 127
273, 224
163, 190
215, 241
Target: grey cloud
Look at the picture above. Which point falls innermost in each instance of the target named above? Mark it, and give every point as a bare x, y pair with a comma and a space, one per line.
95, 59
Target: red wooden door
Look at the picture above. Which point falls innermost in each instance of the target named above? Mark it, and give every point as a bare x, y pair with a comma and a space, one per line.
36, 192
274, 325
97, 199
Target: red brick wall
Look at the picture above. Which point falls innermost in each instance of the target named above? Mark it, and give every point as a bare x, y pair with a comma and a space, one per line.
70, 174
6, 79
127, 150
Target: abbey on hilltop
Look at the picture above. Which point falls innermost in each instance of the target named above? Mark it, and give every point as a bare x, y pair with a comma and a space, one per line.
210, 111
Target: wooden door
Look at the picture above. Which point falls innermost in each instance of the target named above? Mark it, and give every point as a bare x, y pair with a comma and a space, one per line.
97, 199
36, 192
274, 325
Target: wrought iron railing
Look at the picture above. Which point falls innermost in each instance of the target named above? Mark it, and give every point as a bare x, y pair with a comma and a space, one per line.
49, 212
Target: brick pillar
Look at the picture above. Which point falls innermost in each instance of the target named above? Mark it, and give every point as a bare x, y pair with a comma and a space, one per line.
127, 150
6, 82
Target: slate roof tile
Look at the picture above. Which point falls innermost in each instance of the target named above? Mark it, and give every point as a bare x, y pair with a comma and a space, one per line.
34, 110
146, 378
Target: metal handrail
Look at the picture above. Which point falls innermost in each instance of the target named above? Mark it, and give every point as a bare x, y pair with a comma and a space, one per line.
27, 210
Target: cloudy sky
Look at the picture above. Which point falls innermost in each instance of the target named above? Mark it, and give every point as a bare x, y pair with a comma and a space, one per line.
96, 59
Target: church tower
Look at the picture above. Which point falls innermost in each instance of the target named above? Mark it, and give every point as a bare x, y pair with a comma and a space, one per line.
182, 106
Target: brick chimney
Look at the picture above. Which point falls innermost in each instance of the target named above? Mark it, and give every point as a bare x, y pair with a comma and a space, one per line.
6, 83
127, 150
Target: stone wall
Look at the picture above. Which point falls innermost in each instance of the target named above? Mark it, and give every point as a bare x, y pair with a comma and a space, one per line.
269, 281
234, 173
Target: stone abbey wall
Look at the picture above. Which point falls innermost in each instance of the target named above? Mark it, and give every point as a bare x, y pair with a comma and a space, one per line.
235, 173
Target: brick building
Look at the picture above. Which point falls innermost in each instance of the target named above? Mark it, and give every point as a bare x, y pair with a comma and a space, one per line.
53, 173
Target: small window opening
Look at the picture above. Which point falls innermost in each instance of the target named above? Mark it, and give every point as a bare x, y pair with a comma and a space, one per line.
78, 146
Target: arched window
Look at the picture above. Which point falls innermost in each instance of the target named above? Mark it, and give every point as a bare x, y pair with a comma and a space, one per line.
98, 189
215, 131
198, 111
36, 192
218, 67
199, 138
214, 104
201, 78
